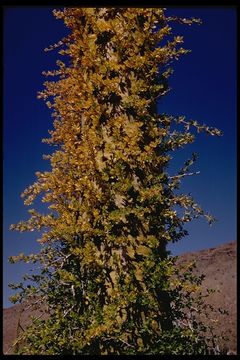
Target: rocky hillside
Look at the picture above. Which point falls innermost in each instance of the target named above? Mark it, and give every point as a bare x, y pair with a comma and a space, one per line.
220, 269
219, 265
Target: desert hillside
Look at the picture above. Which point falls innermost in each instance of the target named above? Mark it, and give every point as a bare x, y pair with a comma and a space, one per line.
219, 265
220, 269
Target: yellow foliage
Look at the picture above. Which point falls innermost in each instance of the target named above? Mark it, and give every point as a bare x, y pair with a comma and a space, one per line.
143, 250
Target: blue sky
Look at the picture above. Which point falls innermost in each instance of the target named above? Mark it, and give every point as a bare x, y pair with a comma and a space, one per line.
203, 88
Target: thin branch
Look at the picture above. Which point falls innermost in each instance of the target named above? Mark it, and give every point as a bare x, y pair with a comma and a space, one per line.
65, 314
123, 341
182, 175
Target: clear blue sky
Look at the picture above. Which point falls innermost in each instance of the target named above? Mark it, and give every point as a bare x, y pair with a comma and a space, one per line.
203, 88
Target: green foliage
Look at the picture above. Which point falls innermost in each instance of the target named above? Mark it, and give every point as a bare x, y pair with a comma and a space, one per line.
110, 285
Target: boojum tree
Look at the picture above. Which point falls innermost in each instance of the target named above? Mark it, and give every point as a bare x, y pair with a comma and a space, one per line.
105, 273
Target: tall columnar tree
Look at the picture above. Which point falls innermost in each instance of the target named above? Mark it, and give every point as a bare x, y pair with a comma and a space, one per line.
108, 281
